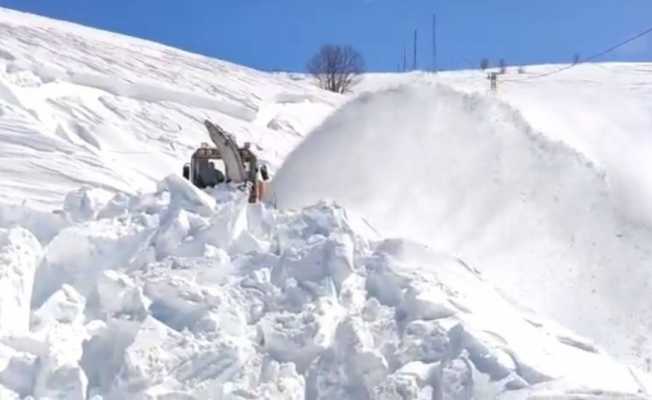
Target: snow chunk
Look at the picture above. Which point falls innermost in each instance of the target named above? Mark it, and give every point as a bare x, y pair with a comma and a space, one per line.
61, 382
161, 360
301, 337
104, 352
59, 322
280, 380
20, 254
184, 194
429, 342
66, 306
174, 228
324, 257
78, 254
119, 295
43, 225
227, 225
17, 371
351, 367
86, 203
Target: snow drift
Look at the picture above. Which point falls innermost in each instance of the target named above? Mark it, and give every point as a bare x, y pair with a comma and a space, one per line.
467, 174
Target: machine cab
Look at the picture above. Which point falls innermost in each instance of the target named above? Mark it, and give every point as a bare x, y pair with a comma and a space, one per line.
206, 168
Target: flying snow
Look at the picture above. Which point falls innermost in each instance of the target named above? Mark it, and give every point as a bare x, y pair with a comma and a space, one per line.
468, 175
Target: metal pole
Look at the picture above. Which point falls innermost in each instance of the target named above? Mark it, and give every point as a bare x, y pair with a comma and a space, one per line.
404, 59
434, 42
414, 64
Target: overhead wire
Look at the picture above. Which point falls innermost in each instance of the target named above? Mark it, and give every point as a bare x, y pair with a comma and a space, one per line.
584, 60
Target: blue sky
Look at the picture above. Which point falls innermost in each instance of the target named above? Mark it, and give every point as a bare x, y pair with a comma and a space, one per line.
282, 34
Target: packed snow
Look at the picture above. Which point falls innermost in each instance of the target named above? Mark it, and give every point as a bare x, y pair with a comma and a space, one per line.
120, 280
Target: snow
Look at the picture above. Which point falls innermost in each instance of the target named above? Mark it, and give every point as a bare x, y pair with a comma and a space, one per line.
85, 107
324, 310
20, 254
469, 175
120, 280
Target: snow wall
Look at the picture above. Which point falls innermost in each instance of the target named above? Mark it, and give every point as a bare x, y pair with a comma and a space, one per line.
467, 175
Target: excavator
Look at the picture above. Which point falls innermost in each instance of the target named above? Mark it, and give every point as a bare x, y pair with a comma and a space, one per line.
240, 164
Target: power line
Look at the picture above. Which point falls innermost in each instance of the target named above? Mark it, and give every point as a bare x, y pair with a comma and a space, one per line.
585, 60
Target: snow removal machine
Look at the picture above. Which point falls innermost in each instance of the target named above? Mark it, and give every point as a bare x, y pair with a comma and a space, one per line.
226, 163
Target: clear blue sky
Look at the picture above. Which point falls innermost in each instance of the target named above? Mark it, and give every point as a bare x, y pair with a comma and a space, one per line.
282, 34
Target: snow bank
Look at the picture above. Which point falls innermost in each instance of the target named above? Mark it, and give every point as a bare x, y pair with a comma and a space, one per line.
467, 174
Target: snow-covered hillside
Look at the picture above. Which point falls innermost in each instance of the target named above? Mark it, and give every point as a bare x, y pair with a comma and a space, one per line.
140, 286
81, 106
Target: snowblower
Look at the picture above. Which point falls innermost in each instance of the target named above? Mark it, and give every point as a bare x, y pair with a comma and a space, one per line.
235, 164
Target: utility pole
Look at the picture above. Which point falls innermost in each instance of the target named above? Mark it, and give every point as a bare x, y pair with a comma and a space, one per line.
434, 43
404, 59
414, 64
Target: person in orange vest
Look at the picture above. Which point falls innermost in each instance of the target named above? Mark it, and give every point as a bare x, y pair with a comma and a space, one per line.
262, 176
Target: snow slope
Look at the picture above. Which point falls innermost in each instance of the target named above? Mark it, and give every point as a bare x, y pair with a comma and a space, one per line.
137, 285
85, 107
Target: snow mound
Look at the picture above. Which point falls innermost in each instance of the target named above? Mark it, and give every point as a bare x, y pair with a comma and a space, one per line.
469, 176
200, 295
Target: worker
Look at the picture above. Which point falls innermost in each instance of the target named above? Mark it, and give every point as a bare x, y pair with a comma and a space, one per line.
218, 177
493, 79
262, 176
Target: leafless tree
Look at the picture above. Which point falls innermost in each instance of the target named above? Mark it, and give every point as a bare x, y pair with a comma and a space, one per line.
336, 67
484, 64
503, 66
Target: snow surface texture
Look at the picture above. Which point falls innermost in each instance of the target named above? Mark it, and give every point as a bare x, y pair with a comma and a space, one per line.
185, 294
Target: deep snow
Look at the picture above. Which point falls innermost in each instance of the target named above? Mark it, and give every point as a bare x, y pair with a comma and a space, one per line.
139, 286
199, 295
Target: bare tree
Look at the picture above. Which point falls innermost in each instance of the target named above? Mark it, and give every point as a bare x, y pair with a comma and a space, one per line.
336, 67
484, 64
503, 66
